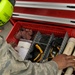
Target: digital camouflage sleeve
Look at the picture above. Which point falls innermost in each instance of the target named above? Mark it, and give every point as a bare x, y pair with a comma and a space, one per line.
12, 64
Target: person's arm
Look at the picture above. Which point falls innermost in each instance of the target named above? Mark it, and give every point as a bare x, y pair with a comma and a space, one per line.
47, 68
12, 64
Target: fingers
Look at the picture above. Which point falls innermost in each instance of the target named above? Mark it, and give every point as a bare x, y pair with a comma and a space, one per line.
71, 64
70, 61
64, 61
70, 57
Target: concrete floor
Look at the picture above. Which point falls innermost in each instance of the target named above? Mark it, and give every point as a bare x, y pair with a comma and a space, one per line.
6, 30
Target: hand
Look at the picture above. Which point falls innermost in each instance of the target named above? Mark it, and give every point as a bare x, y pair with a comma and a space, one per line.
64, 61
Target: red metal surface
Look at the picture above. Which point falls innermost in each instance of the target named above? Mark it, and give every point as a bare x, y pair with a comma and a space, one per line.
12, 21
46, 29
58, 1
46, 12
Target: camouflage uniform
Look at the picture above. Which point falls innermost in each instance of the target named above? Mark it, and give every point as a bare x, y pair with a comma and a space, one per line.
12, 64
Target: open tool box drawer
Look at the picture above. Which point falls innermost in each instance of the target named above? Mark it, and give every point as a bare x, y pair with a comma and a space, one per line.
44, 35
41, 32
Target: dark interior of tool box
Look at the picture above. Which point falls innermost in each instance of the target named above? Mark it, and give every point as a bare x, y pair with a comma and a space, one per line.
50, 39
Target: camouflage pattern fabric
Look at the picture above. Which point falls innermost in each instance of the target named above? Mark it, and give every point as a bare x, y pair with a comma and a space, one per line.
12, 64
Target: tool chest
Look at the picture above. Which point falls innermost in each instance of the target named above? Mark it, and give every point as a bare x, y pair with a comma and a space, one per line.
51, 23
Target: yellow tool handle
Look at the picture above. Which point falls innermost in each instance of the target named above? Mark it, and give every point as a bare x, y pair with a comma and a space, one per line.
39, 48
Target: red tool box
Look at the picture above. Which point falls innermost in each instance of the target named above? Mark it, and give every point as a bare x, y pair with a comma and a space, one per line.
50, 21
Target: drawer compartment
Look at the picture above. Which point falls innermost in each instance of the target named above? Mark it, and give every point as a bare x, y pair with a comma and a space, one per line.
43, 35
